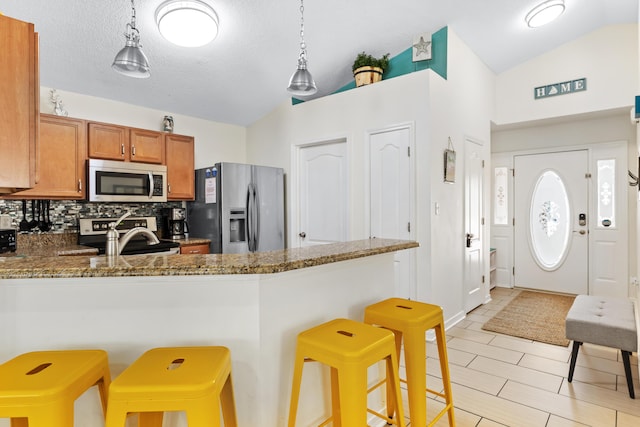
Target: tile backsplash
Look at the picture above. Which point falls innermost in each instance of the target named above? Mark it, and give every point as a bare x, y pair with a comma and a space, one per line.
64, 214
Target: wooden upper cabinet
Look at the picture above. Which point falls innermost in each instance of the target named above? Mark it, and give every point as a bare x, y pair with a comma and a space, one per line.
63, 155
180, 167
113, 142
147, 146
19, 104
110, 142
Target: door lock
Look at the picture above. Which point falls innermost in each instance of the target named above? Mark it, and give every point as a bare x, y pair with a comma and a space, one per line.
303, 234
582, 219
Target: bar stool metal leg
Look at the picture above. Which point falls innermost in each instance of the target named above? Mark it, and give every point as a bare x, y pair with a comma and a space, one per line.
410, 320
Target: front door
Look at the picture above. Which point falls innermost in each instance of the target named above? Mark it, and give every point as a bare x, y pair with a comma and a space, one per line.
551, 221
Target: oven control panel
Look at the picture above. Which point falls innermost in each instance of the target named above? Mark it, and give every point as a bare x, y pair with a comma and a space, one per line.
8, 241
98, 226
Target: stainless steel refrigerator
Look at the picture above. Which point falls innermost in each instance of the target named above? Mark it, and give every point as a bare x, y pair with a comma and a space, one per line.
239, 207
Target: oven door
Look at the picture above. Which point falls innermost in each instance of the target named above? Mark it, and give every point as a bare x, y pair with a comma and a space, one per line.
111, 181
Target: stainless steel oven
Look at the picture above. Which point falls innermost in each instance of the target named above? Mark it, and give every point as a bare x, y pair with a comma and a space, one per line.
112, 181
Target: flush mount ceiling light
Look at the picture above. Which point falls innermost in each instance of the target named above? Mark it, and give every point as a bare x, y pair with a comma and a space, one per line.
301, 82
544, 13
131, 60
187, 23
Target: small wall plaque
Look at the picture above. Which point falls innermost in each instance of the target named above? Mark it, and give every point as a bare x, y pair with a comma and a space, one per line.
422, 47
563, 88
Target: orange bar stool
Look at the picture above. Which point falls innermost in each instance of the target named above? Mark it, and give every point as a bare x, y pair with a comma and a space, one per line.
196, 380
349, 348
409, 320
39, 389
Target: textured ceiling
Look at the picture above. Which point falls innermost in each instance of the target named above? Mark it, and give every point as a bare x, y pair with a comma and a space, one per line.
243, 74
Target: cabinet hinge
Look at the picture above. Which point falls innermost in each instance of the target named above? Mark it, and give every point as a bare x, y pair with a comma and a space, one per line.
513, 271
513, 172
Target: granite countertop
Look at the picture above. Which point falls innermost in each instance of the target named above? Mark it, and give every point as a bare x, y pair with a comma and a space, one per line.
21, 266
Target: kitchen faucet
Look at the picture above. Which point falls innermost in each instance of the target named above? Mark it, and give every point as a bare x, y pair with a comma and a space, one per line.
115, 245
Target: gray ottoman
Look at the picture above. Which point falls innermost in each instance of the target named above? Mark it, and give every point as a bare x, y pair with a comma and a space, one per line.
606, 321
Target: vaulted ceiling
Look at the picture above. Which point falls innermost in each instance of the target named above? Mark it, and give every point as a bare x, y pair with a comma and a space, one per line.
243, 73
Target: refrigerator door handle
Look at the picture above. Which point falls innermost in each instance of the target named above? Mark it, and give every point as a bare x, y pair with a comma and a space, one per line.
251, 215
248, 217
256, 219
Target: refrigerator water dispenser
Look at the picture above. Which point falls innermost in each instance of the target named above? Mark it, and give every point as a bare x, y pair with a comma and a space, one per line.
237, 219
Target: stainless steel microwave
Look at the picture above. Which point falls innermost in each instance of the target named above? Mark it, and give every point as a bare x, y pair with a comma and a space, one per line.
112, 181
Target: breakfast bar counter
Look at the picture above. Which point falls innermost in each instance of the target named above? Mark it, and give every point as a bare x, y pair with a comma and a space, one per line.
254, 304
14, 267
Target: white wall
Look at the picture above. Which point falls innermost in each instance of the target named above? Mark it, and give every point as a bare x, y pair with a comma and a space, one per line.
458, 107
607, 58
214, 141
345, 115
461, 107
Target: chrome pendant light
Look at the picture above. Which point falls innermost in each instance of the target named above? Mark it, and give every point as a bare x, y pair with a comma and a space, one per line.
131, 61
301, 82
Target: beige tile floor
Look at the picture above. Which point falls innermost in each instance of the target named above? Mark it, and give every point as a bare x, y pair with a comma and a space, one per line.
498, 380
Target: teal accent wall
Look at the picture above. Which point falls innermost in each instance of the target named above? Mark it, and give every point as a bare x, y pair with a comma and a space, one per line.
402, 63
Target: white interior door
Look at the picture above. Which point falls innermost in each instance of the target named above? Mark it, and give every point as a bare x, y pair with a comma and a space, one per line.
322, 194
474, 280
551, 221
390, 198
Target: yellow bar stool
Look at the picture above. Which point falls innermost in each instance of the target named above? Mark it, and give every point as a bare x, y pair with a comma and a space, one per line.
349, 348
196, 380
39, 389
409, 320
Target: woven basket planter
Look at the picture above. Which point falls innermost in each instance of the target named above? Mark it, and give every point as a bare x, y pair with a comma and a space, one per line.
367, 75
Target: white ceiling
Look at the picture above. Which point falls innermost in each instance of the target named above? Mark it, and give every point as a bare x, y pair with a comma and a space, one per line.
243, 74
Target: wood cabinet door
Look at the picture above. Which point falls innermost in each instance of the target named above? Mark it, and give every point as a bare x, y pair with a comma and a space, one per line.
63, 154
194, 249
147, 146
180, 167
110, 142
19, 104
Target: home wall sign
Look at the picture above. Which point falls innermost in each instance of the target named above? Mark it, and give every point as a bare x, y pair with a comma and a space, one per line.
563, 88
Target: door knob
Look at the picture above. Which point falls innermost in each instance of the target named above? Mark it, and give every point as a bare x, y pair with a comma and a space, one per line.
469, 237
303, 234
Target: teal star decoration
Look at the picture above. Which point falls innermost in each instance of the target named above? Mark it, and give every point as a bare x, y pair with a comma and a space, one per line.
422, 50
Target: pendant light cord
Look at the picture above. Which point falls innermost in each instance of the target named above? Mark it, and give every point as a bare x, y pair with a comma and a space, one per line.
303, 47
132, 31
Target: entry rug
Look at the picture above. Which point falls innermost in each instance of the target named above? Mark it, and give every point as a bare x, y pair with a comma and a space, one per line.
537, 316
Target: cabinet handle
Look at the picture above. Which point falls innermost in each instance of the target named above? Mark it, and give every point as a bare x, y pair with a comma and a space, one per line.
79, 185
133, 150
168, 188
122, 149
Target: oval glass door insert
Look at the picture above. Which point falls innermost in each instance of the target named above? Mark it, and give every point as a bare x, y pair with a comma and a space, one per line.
549, 225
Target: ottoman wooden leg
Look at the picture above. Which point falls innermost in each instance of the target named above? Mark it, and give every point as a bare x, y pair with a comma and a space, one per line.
574, 357
627, 371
